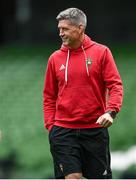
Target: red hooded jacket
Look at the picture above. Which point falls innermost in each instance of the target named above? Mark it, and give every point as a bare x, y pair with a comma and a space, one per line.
76, 82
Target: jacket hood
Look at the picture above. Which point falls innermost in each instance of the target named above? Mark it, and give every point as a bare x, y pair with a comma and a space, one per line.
87, 42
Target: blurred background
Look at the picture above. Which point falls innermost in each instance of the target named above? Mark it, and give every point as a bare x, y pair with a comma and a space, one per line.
28, 35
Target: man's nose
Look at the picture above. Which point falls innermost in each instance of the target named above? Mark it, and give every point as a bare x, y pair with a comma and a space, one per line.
61, 33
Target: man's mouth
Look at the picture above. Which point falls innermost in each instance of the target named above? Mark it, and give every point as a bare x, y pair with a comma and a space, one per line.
64, 39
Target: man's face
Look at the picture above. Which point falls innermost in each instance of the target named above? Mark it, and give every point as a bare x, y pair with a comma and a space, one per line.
69, 33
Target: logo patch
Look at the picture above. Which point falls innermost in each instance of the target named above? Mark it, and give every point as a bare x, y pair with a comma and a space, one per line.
105, 173
61, 167
62, 67
88, 61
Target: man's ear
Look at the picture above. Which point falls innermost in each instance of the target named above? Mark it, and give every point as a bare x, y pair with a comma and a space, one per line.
81, 28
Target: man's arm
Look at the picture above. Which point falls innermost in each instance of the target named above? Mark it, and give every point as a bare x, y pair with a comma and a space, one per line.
114, 85
49, 95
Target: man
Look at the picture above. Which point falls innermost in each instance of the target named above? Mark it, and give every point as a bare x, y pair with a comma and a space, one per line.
77, 111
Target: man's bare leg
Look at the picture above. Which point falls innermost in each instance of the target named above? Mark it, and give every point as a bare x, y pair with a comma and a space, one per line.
74, 176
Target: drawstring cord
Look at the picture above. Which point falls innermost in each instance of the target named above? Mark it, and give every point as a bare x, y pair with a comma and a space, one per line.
66, 70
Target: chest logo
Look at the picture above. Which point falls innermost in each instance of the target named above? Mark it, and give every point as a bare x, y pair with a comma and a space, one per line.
88, 61
62, 67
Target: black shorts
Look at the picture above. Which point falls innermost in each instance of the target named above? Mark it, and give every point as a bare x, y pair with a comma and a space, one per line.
83, 151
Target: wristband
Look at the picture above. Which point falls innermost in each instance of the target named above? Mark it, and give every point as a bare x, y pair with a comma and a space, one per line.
112, 114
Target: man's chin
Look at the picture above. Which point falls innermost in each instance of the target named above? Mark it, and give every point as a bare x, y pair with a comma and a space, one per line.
65, 44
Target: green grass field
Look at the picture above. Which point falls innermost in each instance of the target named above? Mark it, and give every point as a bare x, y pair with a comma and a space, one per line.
21, 118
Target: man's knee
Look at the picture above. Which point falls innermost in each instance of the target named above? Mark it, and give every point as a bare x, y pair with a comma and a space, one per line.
74, 176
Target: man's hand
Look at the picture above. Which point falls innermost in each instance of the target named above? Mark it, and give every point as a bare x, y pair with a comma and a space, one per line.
105, 120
